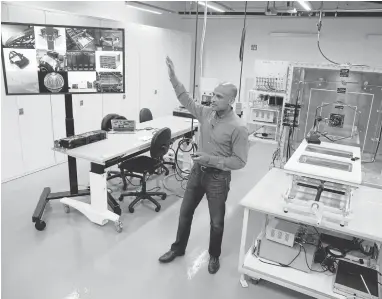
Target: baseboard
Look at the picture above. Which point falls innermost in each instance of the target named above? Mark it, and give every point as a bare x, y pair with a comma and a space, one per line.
31, 172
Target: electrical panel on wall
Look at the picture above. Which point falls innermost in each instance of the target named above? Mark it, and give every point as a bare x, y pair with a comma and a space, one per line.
271, 75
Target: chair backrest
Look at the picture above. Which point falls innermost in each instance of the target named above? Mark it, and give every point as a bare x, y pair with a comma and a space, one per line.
160, 143
106, 121
145, 115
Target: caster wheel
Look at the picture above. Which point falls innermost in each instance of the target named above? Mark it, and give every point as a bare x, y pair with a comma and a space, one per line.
255, 281
131, 210
120, 198
118, 226
342, 225
66, 209
157, 209
40, 225
164, 197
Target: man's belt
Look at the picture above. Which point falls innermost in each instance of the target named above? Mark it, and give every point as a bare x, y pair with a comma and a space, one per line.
210, 169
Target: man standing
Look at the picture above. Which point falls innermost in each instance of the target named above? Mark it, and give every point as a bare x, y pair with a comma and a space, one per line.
223, 147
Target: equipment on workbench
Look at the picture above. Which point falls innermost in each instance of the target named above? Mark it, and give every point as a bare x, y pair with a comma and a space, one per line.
324, 178
81, 139
356, 280
123, 125
330, 122
106, 121
345, 103
298, 244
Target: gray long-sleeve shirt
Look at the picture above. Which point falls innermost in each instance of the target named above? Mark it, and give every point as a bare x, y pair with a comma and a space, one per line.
224, 139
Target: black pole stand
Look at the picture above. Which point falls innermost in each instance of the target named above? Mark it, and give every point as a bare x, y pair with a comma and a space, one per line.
46, 194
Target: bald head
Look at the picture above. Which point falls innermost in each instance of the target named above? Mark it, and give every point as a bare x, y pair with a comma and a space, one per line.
226, 89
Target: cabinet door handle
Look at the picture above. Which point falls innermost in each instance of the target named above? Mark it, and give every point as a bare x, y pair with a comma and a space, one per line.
21, 111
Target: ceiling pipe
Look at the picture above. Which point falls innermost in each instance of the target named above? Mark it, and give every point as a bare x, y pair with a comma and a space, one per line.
328, 14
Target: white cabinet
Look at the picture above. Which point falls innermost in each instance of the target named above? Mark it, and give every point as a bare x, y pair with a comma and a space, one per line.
112, 103
87, 112
131, 103
11, 153
36, 132
151, 56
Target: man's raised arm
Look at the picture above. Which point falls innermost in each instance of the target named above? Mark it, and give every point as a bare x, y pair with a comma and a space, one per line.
183, 96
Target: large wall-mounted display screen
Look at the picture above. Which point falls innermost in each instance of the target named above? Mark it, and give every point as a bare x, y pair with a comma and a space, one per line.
46, 59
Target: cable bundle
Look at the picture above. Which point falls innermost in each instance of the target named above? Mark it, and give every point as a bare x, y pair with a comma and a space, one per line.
180, 174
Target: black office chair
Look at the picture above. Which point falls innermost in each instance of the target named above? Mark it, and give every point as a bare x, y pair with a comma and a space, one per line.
145, 166
145, 115
106, 126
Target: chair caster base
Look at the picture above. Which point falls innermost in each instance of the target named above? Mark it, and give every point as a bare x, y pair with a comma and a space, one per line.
66, 209
118, 226
40, 225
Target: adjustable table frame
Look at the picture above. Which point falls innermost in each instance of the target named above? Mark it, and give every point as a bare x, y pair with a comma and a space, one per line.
46, 194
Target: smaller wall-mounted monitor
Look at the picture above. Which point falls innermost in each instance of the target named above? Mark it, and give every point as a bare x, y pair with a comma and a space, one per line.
46, 59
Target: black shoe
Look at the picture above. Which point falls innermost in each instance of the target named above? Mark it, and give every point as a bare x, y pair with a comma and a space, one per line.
169, 256
213, 265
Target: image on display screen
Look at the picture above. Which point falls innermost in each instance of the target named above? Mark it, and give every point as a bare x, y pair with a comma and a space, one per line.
62, 59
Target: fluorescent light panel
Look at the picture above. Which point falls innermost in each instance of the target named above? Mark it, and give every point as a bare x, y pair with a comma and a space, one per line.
305, 5
212, 6
293, 34
136, 6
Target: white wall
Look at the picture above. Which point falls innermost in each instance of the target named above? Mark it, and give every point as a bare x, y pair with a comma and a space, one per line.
342, 40
27, 139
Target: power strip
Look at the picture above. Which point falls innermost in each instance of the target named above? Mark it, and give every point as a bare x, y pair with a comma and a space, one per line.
280, 236
282, 232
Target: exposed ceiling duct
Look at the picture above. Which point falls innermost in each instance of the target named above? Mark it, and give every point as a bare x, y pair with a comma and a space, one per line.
291, 9
233, 9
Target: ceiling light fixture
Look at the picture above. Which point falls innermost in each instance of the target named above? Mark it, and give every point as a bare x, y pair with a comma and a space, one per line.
293, 34
305, 5
139, 6
212, 6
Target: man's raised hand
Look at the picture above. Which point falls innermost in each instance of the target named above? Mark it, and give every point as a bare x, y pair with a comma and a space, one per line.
170, 66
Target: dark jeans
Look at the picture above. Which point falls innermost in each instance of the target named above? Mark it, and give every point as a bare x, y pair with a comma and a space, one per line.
216, 187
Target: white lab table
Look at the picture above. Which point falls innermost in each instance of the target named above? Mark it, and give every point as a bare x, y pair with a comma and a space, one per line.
267, 198
123, 144
103, 154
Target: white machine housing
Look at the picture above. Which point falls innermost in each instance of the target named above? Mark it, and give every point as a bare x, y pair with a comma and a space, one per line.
330, 169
